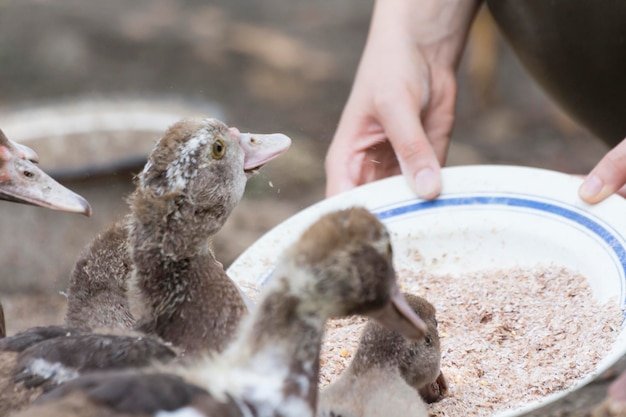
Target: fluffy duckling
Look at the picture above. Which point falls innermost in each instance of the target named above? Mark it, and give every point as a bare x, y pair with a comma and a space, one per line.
154, 270
194, 177
342, 265
389, 374
22, 181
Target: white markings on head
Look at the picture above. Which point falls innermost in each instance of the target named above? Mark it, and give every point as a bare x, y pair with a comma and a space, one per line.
184, 168
56, 372
181, 412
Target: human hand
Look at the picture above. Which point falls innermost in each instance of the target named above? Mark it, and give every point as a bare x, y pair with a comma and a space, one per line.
400, 112
607, 177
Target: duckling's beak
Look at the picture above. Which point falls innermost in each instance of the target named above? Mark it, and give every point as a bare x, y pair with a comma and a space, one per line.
400, 317
22, 181
434, 391
260, 149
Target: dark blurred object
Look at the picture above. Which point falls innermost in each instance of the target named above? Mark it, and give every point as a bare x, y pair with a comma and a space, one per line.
576, 50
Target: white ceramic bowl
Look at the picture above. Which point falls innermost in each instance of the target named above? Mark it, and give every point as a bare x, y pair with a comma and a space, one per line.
487, 216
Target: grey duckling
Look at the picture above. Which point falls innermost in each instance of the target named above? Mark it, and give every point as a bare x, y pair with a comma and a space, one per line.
342, 265
154, 270
389, 375
159, 257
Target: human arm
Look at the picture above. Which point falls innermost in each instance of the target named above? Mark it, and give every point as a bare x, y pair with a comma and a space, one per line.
400, 112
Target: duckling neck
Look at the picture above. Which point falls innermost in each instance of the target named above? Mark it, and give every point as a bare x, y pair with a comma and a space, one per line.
173, 271
172, 224
378, 348
283, 338
168, 294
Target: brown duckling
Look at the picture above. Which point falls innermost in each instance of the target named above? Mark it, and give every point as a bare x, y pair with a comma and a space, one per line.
389, 372
194, 177
342, 265
154, 270
22, 181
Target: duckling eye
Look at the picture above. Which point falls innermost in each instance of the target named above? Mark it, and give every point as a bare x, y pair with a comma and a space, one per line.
428, 340
218, 149
28, 174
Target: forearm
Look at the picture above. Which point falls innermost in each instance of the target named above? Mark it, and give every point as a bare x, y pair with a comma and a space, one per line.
437, 27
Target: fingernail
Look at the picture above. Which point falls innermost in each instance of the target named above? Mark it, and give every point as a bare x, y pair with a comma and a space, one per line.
590, 188
427, 184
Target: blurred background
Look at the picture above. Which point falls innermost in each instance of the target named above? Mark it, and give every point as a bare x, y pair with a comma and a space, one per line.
91, 84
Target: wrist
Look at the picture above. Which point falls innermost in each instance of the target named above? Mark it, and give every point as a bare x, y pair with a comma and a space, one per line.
438, 28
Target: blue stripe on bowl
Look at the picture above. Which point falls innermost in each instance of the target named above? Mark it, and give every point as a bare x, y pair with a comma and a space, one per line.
613, 241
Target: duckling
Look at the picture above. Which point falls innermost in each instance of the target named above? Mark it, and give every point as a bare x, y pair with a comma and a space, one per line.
342, 265
22, 181
194, 177
389, 372
154, 271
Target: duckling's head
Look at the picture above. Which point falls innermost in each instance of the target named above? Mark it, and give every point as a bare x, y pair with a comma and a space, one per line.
200, 168
418, 362
22, 181
346, 259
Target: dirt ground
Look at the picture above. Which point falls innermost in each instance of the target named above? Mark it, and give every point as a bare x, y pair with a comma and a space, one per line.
275, 65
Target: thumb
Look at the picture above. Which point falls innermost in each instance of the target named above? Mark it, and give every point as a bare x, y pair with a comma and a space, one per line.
607, 177
416, 156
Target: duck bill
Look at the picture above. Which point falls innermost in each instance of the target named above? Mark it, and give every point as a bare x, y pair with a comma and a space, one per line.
260, 149
400, 317
434, 391
24, 182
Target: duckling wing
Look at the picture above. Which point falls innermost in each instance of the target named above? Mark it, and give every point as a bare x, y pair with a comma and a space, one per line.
129, 393
97, 294
57, 360
32, 336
